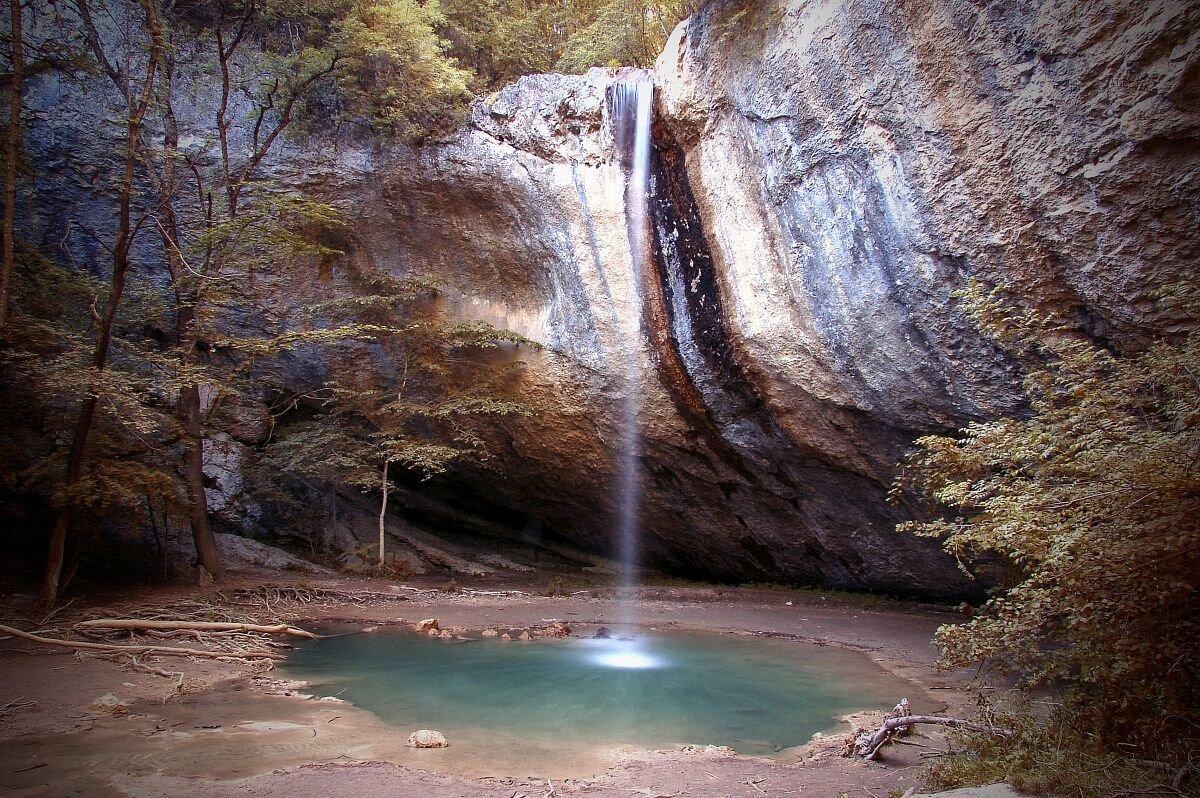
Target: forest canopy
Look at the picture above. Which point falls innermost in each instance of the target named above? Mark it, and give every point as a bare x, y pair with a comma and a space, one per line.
408, 67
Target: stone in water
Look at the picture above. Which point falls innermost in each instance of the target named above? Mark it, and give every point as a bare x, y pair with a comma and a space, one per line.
558, 629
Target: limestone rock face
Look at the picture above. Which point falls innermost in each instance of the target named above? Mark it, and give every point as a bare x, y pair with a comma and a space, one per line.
853, 163
827, 174
239, 552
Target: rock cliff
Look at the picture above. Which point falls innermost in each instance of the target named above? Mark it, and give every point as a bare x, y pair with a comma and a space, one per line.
826, 173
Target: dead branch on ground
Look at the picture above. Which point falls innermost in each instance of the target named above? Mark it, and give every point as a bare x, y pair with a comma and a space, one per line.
136, 624
16, 704
183, 610
176, 676
295, 594
867, 744
169, 651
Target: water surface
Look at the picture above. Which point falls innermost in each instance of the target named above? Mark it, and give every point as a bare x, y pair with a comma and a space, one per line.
554, 700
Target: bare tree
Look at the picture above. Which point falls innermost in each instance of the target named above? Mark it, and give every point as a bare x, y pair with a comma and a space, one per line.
137, 100
220, 232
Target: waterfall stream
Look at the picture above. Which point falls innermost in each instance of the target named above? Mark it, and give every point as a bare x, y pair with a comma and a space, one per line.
632, 110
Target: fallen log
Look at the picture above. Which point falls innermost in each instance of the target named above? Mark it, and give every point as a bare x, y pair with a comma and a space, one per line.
169, 651
135, 624
868, 746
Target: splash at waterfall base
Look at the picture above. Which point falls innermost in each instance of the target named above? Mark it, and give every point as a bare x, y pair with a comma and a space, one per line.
232, 730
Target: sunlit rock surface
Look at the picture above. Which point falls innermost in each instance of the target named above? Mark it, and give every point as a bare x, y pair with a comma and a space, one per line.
826, 174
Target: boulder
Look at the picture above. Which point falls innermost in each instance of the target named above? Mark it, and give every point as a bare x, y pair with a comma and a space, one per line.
111, 703
557, 629
241, 552
427, 738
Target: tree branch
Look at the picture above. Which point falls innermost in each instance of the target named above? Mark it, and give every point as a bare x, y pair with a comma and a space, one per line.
196, 626
868, 746
170, 651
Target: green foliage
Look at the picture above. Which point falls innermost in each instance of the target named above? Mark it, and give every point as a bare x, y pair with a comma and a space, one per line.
447, 383
620, 33
396, 74
408, 68
500, 40
228, 238
377, 66
47, 369
1091, 501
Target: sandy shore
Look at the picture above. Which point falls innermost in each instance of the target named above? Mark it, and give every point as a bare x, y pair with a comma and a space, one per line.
231, 731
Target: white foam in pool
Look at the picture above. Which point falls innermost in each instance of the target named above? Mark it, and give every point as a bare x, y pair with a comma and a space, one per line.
627, 659
624, 654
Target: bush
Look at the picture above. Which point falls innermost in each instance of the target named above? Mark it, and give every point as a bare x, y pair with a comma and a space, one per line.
1090, 503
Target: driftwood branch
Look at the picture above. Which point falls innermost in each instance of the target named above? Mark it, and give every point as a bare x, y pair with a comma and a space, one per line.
136, 624
868, 747
169, 651
265, 594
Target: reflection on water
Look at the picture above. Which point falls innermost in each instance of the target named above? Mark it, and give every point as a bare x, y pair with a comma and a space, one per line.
551, 699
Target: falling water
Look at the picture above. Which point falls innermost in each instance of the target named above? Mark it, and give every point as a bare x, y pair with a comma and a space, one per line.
632, 106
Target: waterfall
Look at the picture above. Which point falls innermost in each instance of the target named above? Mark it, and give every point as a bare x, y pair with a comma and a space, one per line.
632, 110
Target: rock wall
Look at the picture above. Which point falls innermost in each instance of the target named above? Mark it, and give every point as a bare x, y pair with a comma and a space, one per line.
854, 163
826, 174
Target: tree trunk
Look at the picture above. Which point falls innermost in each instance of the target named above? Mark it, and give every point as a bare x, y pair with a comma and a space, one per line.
57, 552
138, 624
188, 412
188, 408
383, 509
10, 157
170, 651
120, 254
193, 474
867, 745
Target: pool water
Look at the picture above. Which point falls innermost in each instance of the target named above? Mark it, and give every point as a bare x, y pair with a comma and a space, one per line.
553, 698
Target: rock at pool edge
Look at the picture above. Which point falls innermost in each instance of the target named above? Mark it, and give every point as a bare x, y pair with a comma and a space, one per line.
427, 738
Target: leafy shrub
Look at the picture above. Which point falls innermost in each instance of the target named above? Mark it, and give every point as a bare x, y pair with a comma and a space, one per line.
1091, 502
